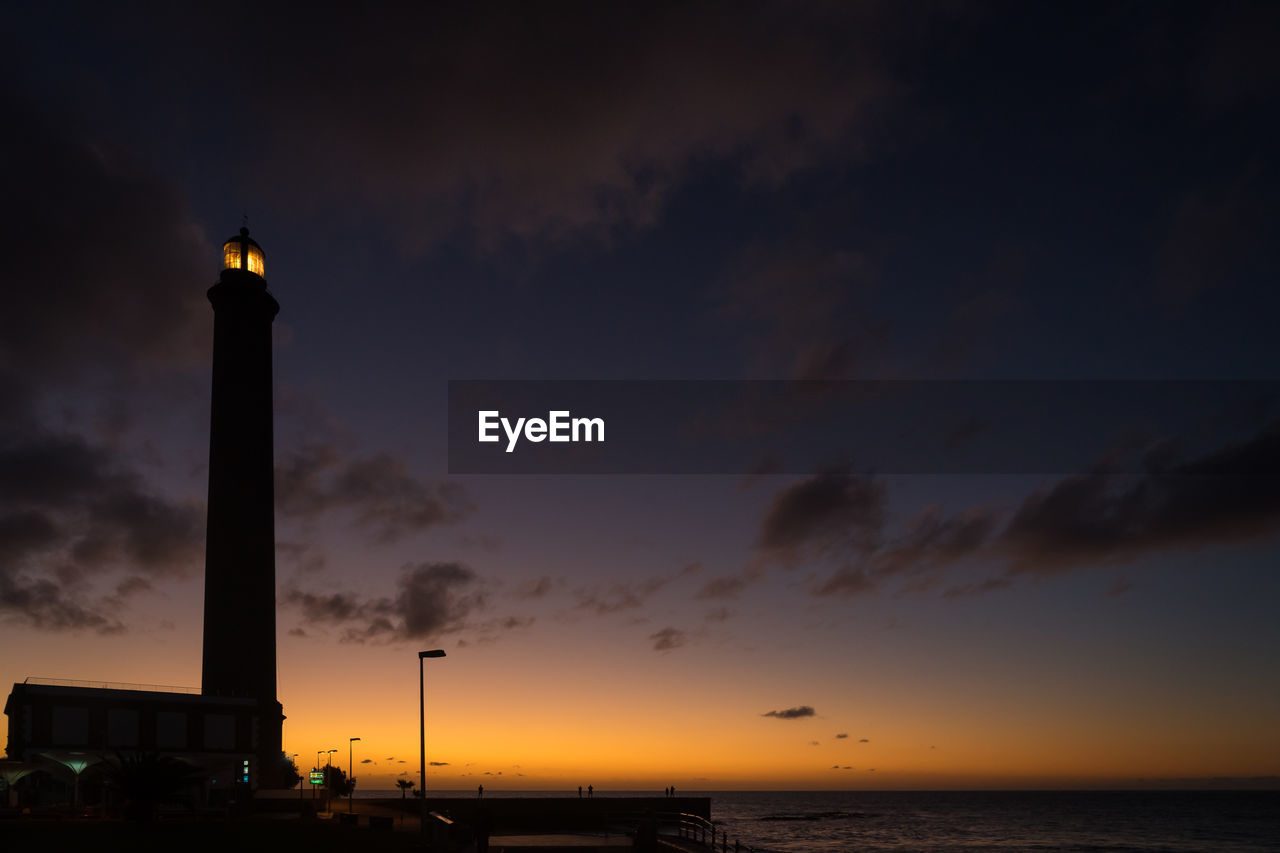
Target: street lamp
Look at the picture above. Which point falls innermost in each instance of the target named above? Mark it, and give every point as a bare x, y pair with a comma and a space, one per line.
292, 757
422, 731
328, 787
351, 787
315, 788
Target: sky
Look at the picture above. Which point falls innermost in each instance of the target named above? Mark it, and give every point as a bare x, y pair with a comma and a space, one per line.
791, 192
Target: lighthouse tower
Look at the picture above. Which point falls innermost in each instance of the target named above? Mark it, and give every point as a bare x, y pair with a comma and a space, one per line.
240, 575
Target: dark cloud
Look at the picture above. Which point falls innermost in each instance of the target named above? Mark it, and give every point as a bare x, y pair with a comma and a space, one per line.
97, 305
72, 514
437, 763
367, 761
934, 539
483, 542
616, 598
327, 608
668, 639
830, 514
432, 599
1221, 497
841, 736
435, 597
1089, 520
727, 588
536, 588
965, 590
797, 713
863, 740
798, 301
620, 597
303, 557
378, 491
528, 122
108, 251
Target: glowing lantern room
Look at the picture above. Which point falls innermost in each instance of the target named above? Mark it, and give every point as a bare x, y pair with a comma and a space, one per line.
242, 253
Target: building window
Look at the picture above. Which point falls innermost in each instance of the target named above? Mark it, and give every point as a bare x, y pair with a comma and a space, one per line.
237, 255
256, 264
122, 727
70, 726
171, 730
219, 731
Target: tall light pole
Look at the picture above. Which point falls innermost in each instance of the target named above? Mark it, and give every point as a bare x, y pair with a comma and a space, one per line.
328, 787
314, 792
422, 731
292, 757
351, 787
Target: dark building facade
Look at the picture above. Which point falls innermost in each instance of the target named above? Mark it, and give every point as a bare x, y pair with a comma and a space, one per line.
51, 722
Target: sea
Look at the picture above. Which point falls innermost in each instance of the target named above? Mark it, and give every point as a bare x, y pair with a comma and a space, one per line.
986, 821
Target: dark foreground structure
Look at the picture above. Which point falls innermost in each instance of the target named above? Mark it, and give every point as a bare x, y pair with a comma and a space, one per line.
548, 814
535, 824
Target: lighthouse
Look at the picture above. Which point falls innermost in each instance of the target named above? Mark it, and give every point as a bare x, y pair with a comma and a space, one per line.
240, 579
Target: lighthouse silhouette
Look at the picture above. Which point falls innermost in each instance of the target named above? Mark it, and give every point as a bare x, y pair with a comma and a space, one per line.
240, 575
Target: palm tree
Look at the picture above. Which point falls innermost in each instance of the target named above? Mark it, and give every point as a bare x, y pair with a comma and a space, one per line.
404, 785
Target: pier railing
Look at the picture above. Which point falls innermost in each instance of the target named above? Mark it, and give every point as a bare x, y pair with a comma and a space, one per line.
692, 827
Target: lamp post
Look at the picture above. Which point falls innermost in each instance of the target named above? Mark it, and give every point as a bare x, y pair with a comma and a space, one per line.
351, 786
422, 732
314, 792
328, 788
292, 757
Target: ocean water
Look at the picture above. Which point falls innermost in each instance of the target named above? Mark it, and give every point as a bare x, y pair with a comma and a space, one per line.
953, 821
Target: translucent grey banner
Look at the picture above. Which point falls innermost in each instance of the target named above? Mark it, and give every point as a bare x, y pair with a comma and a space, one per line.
885, 427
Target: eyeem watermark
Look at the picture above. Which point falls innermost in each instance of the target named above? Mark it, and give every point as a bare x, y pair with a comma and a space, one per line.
558, 426
1152, 428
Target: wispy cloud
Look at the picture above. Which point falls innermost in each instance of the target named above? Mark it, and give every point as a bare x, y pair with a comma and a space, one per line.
797, 713
668, 639
620, 597
377, 491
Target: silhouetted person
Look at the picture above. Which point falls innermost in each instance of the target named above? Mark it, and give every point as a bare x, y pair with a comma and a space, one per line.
579, 792
673, 791
480, 791
590, 790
